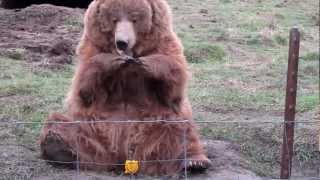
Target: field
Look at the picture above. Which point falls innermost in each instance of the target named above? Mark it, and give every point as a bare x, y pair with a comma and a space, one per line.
237, 52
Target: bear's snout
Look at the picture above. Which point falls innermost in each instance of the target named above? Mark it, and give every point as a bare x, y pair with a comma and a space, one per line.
125, 37
122, 45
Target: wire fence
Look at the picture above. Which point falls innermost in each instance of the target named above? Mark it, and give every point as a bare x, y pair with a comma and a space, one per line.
184, 175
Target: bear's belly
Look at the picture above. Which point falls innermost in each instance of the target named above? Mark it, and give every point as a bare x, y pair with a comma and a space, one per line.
138, 141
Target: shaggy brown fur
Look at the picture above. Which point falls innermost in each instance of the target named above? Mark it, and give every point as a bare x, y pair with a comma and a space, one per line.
108, 86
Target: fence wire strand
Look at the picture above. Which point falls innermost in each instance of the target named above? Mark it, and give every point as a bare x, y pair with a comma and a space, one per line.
3, 124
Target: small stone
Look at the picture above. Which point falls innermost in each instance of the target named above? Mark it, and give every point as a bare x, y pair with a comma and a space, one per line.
204, 11
4, 155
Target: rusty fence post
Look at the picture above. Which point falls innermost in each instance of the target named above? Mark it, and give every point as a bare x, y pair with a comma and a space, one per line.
290, 106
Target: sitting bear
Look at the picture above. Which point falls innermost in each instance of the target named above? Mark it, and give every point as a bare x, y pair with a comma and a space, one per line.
128, 96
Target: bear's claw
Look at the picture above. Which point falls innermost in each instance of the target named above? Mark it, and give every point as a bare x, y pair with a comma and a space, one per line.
198, 165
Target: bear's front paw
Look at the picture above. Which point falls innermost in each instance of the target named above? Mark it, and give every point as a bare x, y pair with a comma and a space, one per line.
197, 164
107, 62
132, 60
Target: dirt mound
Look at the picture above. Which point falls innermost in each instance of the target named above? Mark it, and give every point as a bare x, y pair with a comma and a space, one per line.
42, 34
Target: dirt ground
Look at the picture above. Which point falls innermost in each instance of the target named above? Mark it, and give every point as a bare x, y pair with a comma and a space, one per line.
45, 36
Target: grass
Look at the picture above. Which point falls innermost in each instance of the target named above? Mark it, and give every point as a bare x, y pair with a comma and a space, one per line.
33, 92
308, 102
263, 149
238, 57
16, 53
249, 84
311, 56
257, 29
281, 40
204, 52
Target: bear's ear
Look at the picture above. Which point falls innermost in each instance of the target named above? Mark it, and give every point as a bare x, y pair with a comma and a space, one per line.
103, 19
161, 16
97, 17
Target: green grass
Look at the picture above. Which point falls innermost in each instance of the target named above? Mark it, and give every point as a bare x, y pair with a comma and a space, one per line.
34, 91
251, 78
263, 150
258, 29
16, 53
261, 146
203, 52
311, 56
307, 102
281, 40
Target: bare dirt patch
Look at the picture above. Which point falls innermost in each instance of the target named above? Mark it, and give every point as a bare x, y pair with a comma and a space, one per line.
41, 34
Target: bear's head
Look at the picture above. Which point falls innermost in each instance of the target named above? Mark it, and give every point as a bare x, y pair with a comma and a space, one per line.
132, 27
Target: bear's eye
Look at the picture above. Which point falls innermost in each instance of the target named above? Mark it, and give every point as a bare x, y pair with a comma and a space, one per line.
114, 20
135, 17
134, 20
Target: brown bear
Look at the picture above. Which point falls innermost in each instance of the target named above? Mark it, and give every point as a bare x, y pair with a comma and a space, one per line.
128, 96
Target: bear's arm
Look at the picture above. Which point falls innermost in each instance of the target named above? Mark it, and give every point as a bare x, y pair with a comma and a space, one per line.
172, 71
105, 61
92, 73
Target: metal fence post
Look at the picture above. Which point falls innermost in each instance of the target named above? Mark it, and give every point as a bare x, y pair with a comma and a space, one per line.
291, 93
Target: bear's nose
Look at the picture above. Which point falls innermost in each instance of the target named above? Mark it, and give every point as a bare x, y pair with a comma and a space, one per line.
122, 45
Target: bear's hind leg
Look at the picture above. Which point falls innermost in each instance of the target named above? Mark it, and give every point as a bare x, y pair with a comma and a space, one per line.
197, 160
57, 151
56, 141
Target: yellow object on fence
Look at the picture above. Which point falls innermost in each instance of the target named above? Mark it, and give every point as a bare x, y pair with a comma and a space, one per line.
131, 167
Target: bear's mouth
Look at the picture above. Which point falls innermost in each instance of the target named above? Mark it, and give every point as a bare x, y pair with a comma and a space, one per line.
125, 53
